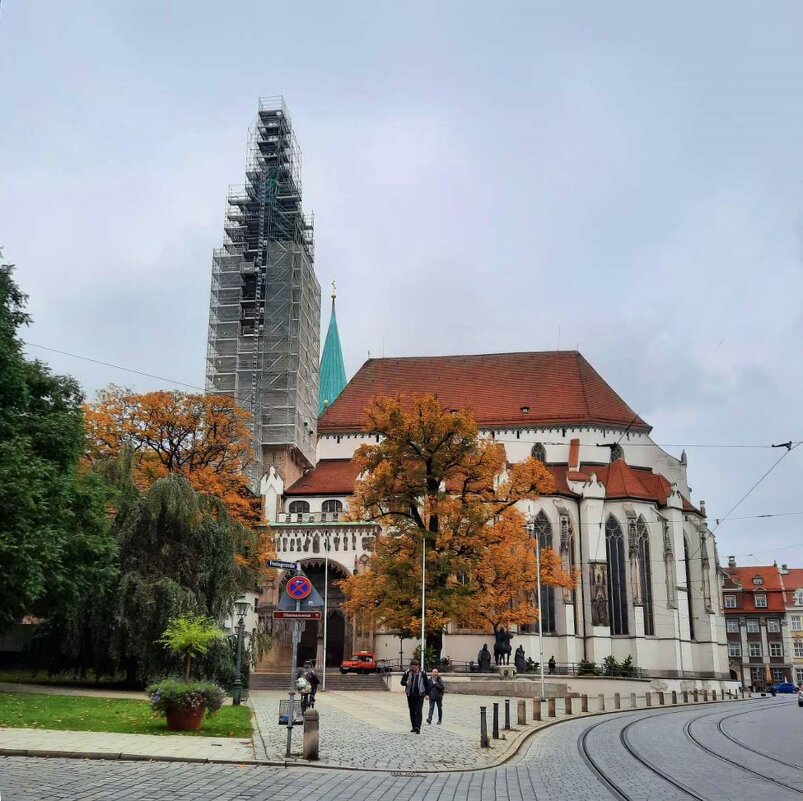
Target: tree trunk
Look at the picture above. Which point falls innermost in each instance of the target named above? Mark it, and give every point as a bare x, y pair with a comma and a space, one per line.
187, 664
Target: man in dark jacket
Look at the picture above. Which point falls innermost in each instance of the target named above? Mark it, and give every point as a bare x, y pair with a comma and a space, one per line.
436, 691
312, 678
416, 688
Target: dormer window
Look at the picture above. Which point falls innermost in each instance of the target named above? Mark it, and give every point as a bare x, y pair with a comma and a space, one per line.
538, 451
799, 598
758, 580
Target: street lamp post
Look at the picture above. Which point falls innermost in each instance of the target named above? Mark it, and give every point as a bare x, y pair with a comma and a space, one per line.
241, 607
325, 603
423, 598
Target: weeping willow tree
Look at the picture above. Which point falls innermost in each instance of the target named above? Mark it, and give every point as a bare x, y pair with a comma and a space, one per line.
180, 553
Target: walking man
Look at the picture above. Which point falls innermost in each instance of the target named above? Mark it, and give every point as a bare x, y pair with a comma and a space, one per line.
416, 688
436, 691
551, 664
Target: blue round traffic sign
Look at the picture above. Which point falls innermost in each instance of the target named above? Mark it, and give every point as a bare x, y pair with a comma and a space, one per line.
299, 587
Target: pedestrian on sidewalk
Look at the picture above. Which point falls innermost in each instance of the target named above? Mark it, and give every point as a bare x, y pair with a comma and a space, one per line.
304, 688
312, 678
551, 664
416, 688
436, 691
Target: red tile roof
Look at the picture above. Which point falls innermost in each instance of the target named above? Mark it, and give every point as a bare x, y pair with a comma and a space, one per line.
792, 581
557, 388
328, 477
771, 587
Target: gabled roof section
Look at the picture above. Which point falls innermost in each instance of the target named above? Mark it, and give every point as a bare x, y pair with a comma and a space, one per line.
333, 373
551, 388
328, 477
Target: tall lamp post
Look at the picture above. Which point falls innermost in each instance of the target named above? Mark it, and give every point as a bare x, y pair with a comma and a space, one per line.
531, 530
241, 608
325, 604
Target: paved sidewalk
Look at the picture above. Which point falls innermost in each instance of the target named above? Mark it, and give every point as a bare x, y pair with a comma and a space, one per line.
122, 746
371, 730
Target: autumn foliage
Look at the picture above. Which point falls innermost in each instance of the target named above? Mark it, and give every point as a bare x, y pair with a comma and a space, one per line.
204, 438
432, 477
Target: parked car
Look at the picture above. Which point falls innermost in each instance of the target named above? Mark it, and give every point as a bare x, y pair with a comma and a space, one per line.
784, 687
364, 662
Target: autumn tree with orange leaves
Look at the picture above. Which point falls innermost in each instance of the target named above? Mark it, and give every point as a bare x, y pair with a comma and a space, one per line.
432, 478
204, 438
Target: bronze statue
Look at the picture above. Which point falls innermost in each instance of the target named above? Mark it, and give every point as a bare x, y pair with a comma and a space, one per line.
484, 660
520, 661
502, 646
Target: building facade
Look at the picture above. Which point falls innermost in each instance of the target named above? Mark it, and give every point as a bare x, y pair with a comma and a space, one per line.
265, 301
621, 513
793, 587
754, 603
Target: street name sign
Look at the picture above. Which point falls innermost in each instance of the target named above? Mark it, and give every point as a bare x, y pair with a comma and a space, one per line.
277, 563
283, 614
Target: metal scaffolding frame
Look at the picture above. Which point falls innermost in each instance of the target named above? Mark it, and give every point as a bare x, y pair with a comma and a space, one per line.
264, 310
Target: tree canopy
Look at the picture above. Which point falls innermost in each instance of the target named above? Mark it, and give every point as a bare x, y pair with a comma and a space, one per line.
432, 477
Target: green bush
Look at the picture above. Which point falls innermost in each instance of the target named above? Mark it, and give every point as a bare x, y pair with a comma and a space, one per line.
610, 666
188, 695
626, 667
585, 668
190, 636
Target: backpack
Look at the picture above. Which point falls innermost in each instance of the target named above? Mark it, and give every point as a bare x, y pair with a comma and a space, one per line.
303, 686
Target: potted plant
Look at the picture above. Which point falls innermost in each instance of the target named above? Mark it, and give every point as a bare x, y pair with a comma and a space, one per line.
181, 701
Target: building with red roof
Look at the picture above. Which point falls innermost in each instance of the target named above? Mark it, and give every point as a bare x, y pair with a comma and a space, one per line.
622, 512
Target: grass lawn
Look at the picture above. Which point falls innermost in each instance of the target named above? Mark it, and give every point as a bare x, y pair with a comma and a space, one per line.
124, 715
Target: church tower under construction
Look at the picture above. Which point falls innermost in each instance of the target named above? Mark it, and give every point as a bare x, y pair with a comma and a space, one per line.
264, 311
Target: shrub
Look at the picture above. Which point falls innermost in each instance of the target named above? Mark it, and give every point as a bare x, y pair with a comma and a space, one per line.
188, 695
626, 667
611, 666
190, 636
586, 668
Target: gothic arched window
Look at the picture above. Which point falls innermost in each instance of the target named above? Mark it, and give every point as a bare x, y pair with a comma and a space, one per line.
617, 453
542, 529
538, 452
299, 508
332, 507
689, 593
645, 575
617, 575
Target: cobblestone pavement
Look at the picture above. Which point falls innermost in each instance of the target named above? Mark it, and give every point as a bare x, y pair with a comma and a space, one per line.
380, 719
555, 766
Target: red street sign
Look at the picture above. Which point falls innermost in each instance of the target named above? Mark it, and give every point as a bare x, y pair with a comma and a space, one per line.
299, 587
279, 614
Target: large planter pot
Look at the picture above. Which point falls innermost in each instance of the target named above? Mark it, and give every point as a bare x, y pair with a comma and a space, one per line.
180, 719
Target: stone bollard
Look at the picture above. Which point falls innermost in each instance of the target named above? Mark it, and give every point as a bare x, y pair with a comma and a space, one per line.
521, 716
705, 695
661, 699
550, 708
495, 722
696, 696
311, 736
674, 696
685, 697
648, 699
617, 700
633, 702
536, 709
584, 703
601, 702
713, 695
484, 741
567, 705
507, 714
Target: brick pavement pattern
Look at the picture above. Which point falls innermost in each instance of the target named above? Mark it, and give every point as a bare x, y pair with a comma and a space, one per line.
551, 767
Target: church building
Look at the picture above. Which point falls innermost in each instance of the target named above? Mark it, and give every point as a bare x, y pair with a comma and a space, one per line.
621, 513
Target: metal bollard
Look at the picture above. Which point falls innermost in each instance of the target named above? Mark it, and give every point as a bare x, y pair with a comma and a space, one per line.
536, 709
567, 705
696, 696
550, 708
495, 722
713, 695
633, 702
521, 717
507, 714
311, 740
685, 697
661, 699
617, 700
674, 696
484, 741
705, 695
601, 698
584, 703
648, 699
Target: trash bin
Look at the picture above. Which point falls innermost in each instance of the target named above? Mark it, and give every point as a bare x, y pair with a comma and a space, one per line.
298, 717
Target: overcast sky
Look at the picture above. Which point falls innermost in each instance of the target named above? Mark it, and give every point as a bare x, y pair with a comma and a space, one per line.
625, 177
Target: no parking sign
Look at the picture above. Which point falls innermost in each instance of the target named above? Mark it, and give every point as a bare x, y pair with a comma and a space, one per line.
299, 587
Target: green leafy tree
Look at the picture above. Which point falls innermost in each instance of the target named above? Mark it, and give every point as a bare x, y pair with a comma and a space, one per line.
54, 534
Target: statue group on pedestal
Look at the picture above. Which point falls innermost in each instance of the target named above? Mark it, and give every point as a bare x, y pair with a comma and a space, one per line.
502, 651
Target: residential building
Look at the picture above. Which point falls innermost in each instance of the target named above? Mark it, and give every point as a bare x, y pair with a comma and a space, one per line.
754, 604
793, 585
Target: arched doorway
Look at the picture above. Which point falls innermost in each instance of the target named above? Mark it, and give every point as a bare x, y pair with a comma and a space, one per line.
335, 639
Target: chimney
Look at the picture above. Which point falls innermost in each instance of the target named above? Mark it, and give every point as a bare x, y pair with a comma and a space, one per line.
574, 455
732, 562
702, 507
784, 570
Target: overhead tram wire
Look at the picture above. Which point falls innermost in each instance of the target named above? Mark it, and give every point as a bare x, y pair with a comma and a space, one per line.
114, 366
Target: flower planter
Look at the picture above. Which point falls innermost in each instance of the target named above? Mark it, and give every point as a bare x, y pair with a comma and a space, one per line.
183, 719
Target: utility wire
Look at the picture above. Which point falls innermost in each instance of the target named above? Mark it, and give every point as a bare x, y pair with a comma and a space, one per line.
115, 366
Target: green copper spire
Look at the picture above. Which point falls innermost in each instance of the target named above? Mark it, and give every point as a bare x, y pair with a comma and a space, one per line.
333, 374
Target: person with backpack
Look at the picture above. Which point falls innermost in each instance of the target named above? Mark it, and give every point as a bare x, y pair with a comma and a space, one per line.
436, 691
416, 688
312, 677
304, 688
